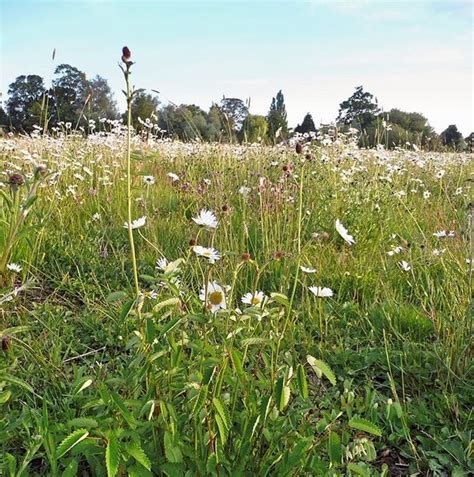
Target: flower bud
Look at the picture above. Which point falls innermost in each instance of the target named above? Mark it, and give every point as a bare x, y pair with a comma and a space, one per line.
6, 343
16, 180
245, 257
126, 54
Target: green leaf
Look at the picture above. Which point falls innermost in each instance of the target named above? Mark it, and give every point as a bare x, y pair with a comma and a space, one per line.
335, 448
14, 380
5, 396
236, 362
86, 422
116, 296
302, 382
172, 452
364, 425
165, 303
135, 451
357, 469
126, 414
137, 470
70, 441
112, 456
282, 394
222, 411
222, 428
71, 469
280, 298
126, 307
171, 325
321, 368
200, 400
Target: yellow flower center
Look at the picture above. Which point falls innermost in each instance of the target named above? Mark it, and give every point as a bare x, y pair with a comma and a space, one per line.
255, 301
216, 298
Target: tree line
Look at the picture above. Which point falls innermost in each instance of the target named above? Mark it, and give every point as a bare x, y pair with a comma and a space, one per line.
80, 103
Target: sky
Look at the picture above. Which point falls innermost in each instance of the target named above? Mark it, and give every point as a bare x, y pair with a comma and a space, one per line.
412, 55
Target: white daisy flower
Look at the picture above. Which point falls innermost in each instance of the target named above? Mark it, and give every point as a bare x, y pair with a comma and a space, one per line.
404, 266
213, 296
173, 176
307, 269
14, 267
395, 250
206, 218
208, 252
96, 217
254, 299
245, 191
437, 252
161, 264
426, 194
321, 292
343, 232
136, 224
150, 180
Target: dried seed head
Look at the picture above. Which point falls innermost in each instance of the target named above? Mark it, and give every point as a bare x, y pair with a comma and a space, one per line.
308, 157
192, 242
298, 148
225, 208
16, 180
6, 343
245, 257
278, 255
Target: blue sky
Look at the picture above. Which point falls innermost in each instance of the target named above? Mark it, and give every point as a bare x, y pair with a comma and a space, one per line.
414, 55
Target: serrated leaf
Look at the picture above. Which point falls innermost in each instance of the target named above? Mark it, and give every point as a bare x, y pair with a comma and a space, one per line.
364, 425
254, 341
126, 414
137, 470
321, 368
86, 422
168, 302
222, 411
200, 400
116, 296
135, 451
335, 448
302, 382
70, 441
280, 298
172, 452
222, 428
112, 456
236, 362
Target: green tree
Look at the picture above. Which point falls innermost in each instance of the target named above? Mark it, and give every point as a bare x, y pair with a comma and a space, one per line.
277, 119
469, 140
70, 92
144, 106
254, 128
101, 103
25, 99
307, 125
452, 138
235, 111
358, 111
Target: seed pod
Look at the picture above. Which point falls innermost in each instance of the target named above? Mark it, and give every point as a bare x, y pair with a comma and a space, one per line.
192, 242
6, 343
16, 180
298, 148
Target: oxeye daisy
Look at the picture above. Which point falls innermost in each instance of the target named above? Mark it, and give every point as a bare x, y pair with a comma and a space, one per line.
343, 232
161, 264
136, 224
149, 180
206, 218
208, 252
14, 267
173, 176
404, 266
307, 269
254, 299
321, 292
213, 296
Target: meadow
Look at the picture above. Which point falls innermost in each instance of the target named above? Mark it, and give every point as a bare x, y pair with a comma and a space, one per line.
301, 310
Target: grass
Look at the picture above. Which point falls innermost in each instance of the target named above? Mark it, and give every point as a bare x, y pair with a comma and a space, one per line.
375, 380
